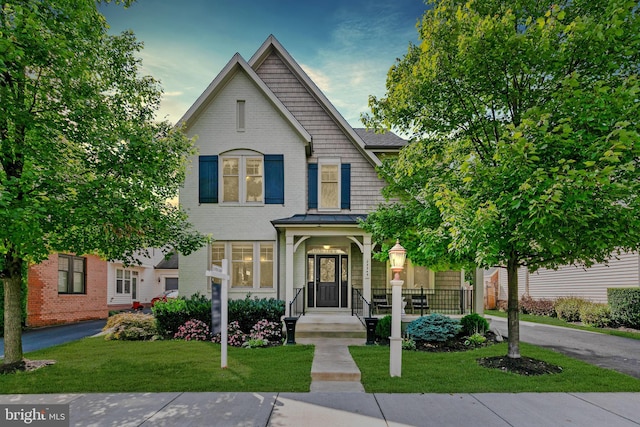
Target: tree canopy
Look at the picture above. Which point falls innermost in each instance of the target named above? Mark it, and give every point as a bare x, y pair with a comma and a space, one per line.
523, 123
85, 166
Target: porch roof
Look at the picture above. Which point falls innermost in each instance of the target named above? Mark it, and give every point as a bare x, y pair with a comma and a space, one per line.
319, 219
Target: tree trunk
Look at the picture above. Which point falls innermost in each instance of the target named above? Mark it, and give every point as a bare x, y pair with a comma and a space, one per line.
12, 309
513, 311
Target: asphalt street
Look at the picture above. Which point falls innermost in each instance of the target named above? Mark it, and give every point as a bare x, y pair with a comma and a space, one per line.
36, 339
607, 351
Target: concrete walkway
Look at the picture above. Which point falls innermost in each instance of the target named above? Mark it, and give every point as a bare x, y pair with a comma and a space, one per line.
341, 409
333, 369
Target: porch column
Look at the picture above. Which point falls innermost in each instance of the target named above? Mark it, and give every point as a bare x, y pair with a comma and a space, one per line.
366, 267
288, 280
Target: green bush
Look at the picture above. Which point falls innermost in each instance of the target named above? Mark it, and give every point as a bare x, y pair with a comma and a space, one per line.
474, 323
170, 315
383, 328
568, 308
199, 308
594, 314
433, 328
249, 311
130, 327
625, 306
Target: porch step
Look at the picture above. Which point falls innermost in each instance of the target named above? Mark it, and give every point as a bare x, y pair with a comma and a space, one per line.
330, 325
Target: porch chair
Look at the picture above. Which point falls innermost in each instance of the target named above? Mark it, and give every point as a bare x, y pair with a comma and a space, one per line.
419, 303
380, 303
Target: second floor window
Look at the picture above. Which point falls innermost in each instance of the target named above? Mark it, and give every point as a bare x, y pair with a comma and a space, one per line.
71, 274
242, 179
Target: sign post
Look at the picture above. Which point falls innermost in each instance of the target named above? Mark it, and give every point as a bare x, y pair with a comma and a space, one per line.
221, 273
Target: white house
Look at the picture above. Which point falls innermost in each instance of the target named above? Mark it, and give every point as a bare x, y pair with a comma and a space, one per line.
280, 182
129, 283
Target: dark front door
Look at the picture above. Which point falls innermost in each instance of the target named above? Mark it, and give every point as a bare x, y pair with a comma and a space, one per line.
327, 281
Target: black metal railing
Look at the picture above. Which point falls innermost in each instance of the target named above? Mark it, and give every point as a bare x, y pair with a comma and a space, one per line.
360, 307
421, 301
296, 306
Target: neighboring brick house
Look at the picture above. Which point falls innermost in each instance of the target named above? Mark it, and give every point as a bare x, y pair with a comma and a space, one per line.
67, 288
281, 182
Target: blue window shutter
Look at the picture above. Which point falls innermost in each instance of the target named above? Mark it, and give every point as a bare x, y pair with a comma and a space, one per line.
313, 185
208, 179
345, 186
274, 179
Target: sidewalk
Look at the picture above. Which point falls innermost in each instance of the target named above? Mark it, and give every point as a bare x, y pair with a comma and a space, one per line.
344, 409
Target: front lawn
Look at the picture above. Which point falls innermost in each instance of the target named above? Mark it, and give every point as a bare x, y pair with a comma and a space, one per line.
459, 372
93, 365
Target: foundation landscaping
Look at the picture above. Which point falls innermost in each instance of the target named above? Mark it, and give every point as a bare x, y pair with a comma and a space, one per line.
173, 350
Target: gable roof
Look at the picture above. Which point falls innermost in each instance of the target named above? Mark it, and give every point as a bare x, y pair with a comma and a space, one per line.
272, 44
169, 264
385, 140
237, 64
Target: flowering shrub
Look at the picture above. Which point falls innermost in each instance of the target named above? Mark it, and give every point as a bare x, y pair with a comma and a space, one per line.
235, 336
266, 330
193, 330
130, 327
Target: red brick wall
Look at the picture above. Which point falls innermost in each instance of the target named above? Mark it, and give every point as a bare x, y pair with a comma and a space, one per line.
46, 307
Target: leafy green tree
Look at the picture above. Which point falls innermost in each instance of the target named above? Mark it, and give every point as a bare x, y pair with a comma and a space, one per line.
523, 119
84, 168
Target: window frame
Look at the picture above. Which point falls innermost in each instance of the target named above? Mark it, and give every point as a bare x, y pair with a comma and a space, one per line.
71, 259
242, 159
330, 162
256, 268
127, 282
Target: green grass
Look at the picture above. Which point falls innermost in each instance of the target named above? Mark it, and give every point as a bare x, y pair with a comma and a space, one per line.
459, 372
546, 320
95, 365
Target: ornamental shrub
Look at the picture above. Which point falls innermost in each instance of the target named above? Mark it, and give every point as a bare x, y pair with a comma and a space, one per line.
173, 313
538, 307
265, 330
130, 327
193, 330
249, 311
594, 314
625, 306
474, 323
433, 328
383, 328
235, 336
568, 308
170, 315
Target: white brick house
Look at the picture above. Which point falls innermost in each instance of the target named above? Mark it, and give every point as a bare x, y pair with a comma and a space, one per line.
280, 182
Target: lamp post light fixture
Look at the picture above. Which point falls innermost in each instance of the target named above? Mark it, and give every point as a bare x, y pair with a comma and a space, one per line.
397, 255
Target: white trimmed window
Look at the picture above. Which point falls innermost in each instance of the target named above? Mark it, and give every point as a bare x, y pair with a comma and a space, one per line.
242, 179
126, 281
240, 115
251, 263
329, 184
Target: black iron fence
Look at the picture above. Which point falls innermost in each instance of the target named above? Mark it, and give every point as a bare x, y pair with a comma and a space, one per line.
421, 301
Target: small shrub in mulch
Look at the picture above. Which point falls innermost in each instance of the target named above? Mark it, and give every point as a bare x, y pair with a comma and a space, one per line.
521, 366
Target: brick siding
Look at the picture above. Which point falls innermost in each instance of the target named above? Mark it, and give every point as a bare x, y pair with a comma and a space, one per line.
46, 307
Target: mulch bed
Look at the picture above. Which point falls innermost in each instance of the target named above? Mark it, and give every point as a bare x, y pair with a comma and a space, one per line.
25, 366
522, 366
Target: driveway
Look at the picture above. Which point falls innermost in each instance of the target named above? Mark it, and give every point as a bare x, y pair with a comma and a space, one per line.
607, 351
36, 339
